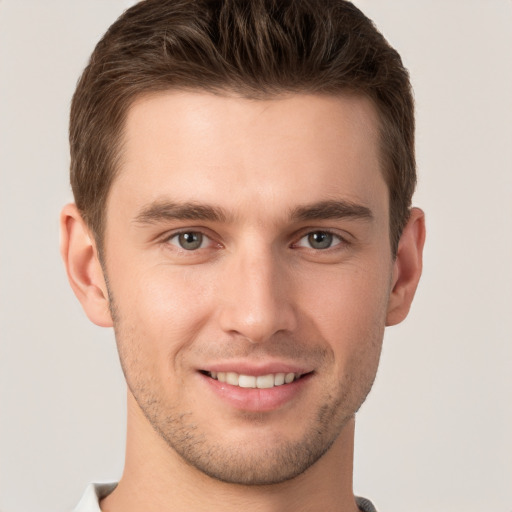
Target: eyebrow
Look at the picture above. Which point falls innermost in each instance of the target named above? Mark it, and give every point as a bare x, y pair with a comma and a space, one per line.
162, 211
332, 210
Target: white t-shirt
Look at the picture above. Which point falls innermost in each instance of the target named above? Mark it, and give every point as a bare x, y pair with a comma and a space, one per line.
90, 501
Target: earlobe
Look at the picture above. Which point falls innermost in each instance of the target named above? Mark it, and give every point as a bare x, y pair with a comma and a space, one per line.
407, 268
83, 267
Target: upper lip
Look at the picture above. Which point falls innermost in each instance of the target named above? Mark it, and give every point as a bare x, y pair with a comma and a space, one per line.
256, 369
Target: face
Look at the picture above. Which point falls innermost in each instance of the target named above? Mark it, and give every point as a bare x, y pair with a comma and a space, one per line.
249, 268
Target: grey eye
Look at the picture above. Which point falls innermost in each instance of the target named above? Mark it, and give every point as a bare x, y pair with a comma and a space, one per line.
190, 240
319, 240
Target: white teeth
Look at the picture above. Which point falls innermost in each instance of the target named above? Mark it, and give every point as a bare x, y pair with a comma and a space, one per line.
251, 381
247, 381
279, 379
232, 378
265, 381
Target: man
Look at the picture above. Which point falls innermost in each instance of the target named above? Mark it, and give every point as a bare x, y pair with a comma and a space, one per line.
243, 174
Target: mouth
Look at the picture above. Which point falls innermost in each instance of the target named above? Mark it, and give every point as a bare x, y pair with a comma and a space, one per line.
268, 381
257, 389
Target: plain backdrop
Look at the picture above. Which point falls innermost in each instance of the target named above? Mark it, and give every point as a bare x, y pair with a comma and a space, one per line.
435, 433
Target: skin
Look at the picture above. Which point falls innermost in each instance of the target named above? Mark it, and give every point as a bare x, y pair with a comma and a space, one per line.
258, 294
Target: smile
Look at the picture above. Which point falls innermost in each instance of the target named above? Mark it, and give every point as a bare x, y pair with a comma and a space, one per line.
251, 381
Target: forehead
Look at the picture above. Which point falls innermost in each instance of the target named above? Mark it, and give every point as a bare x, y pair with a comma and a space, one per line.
250, 155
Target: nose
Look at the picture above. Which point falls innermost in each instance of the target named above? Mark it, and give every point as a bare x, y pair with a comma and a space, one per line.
256, 297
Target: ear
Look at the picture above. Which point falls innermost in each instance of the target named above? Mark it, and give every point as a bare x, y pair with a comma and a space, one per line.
407, 268
83, 266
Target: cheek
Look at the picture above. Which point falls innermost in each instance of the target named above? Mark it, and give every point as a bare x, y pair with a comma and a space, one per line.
159, 313
345, 294
349, 310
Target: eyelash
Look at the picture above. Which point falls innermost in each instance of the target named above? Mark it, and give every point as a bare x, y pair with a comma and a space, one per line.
205, 238
336, 240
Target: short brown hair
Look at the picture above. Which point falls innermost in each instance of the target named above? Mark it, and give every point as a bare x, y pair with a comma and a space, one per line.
257, 48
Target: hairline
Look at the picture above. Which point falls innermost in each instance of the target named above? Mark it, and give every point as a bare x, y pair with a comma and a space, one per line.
227, 91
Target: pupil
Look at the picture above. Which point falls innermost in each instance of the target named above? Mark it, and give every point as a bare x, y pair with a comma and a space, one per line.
191, 240
320, 240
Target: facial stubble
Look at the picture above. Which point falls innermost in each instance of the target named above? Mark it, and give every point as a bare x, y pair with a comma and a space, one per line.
270, 462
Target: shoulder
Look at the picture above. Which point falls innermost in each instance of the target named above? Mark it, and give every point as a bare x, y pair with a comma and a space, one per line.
90, 501
365, 505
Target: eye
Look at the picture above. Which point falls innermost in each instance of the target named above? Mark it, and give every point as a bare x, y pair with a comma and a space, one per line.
189, 240
319, 240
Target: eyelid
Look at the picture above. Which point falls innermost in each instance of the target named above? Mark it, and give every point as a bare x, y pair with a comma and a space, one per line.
342, 239
174, 240
206, 233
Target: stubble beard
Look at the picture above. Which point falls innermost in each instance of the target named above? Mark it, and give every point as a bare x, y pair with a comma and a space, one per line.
269, 463
274, 462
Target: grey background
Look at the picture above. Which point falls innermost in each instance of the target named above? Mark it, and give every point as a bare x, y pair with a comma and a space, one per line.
435, 433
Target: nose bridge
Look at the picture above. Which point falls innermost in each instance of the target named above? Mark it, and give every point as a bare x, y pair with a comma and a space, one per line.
257, 298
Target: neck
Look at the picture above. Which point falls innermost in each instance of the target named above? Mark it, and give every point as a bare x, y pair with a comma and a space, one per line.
156, 479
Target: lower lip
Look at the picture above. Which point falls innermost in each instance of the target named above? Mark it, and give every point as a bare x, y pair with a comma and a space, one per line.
254, 399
